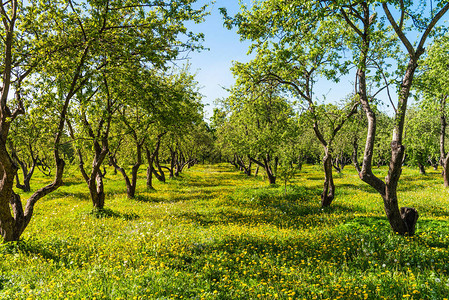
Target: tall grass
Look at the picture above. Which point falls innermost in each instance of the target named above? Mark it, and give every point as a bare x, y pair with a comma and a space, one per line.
216, 234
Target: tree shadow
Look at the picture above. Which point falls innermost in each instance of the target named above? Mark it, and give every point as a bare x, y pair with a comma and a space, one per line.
63, 194
282, 214
149, 199
353, 245
205, 195
46, 250
109, 213
73, 182
357, 187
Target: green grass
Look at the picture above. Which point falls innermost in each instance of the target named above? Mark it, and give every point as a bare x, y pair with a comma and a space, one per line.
216, 234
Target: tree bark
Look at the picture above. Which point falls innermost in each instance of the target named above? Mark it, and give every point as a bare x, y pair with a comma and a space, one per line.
422, 169
266, 165
329, 188
97, 194
151, 157
130, 183
444, 156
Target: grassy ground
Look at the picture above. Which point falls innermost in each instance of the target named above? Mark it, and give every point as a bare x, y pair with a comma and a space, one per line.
216, 234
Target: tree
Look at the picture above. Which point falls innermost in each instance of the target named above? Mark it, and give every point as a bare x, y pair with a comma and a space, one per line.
120, 48
402, 221
29, 141
159, 102
290, 56
181, 114
63, 45
421, 136
432, 85
370, 44
362, 18
93, 115
24, 46
258, 120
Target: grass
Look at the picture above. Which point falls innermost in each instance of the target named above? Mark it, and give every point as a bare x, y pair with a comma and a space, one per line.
216, 234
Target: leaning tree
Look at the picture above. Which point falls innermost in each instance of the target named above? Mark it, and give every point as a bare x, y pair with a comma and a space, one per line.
26, 47
370, 44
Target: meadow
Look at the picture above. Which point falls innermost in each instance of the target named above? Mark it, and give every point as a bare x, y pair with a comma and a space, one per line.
214, 233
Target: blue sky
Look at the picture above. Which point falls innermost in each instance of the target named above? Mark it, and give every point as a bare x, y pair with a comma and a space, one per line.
212, 67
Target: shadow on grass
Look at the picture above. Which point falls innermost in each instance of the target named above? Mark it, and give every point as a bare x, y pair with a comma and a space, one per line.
109, 213
54, 250
353, 245
357, 187
298, 208
147, 199
205, 195
425, 177
80, 182
279, 215
63, 194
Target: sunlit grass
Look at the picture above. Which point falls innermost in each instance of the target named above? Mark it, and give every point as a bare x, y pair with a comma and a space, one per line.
216, 234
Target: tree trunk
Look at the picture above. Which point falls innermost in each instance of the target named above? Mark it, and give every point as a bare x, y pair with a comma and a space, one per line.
150, 171
266, 165
336, 166
300, 162
445, 172
94, 180
271, 177
444, 156
172, 163
27, 174
329, 188
422, 170
243, 167
151, 157
96, 189
161, 175
130, 184
26, 187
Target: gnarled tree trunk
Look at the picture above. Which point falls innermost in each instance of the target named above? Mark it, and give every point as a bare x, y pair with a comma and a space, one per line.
329, 188
267, 167
131, 183
151, 157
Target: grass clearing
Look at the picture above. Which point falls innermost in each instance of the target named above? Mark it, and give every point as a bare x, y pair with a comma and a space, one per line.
216, 234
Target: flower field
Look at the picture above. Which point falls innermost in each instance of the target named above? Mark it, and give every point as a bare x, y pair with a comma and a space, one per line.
214, 233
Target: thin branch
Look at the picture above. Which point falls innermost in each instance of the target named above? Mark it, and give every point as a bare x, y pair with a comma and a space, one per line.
350, 23
398, 31
386, 86
432, 24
